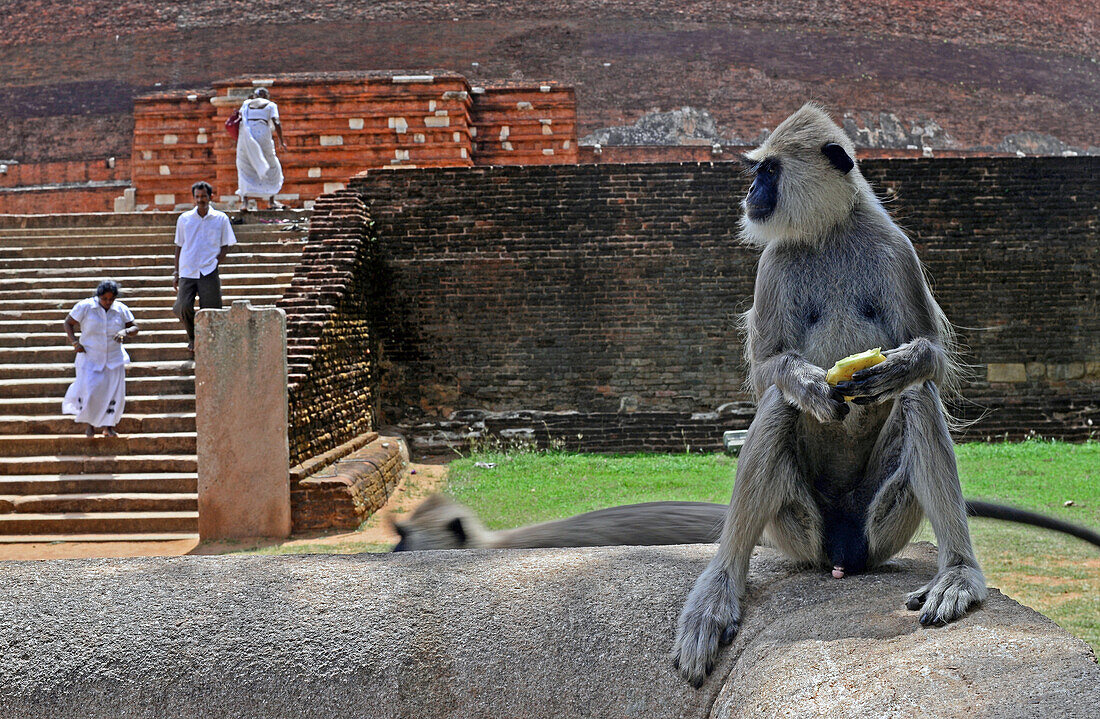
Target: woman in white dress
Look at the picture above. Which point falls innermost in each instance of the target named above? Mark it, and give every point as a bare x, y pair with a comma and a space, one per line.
98, 396
259, 173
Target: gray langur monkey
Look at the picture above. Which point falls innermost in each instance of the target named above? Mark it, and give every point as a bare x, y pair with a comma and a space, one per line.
439, 523
832, 484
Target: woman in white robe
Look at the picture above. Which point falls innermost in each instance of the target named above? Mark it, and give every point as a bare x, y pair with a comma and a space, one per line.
98, 396
259, 173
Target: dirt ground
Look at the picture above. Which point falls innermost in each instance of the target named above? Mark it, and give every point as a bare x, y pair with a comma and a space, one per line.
420, 479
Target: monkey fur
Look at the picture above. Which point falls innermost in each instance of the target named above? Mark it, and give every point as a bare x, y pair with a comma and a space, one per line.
439, 523
838, 485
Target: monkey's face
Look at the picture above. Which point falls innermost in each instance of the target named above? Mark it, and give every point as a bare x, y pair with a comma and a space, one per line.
802, 180
437, 523
763, 194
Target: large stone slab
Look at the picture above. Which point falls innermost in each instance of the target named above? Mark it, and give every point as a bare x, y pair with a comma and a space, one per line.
507, 633
241, 422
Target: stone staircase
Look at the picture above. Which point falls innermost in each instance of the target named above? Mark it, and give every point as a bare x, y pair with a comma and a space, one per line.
56, 484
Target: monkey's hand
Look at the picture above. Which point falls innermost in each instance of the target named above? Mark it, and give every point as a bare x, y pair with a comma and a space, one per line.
949, 595
906, 365
710, 618
809, 391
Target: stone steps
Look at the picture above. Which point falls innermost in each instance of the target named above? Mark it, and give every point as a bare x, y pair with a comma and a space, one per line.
98, 522
65, 369
99, 502
99, 446
55, 483
36, 484
165, 422
84, 463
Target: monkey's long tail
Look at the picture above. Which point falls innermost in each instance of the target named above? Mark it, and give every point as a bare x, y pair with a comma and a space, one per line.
978, 508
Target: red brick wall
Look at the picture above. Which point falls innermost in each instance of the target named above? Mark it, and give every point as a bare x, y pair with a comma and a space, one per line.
61, 187
598, 303
173, 147
338, 124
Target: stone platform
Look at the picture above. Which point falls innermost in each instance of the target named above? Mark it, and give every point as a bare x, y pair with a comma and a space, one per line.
519, 633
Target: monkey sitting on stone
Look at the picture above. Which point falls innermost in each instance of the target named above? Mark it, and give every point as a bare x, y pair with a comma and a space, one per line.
832, 484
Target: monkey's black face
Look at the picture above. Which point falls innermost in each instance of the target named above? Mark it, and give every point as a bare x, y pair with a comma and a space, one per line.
764, 191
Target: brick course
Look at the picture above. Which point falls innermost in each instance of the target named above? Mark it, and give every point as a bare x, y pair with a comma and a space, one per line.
613, 290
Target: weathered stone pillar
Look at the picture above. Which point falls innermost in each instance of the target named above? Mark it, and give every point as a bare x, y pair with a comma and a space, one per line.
241, 418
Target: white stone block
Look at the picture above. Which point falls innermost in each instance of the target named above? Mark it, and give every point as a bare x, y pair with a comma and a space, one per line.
398, 124
288, 196
505, 131
165, 170
565, 145
171, 139
463, 154
441, 113
164, 200
507, 146
547, 130
331, 140
314, 172
333, 187
548, 151
473, 131
524, 106
437, 122
456, 136
355, 123
456, 95
401, 154
147, 154
544, 88
419, 137
308, 204
431, 105
408, 79
202, 139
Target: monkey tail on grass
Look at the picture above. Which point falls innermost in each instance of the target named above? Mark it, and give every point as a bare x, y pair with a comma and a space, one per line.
989, 510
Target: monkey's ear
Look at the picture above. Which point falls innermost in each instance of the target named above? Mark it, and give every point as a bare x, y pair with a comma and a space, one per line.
838, 156
455, 527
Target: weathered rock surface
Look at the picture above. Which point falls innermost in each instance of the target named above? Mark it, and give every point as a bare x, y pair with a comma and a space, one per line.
520, 633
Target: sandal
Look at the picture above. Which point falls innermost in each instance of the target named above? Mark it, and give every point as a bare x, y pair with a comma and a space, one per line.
109, 432
90, 432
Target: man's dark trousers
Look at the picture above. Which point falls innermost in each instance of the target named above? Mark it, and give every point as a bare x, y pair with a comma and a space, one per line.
209, 290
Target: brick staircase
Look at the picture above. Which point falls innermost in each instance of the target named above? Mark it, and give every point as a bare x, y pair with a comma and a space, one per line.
55, 483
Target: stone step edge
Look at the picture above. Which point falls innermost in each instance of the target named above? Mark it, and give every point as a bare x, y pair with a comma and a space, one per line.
93, 538
317, 464
28, 498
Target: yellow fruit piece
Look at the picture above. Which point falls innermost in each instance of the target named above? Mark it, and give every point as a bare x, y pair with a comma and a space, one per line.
843, 370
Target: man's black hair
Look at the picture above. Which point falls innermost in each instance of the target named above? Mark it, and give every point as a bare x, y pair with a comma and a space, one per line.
203, 185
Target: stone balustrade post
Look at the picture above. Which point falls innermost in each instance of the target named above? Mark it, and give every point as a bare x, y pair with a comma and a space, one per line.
241, 419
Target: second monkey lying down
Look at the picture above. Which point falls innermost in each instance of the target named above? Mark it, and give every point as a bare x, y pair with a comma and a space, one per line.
439, 523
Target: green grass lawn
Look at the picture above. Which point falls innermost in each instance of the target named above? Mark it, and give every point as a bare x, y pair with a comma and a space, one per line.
1059, 576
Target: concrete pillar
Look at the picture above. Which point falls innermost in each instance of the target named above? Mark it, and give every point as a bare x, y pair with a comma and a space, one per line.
241, 418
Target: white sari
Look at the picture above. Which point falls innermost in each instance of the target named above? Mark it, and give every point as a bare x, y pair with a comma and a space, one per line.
259, 173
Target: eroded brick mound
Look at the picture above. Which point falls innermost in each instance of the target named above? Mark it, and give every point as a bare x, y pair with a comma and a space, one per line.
980, 73
516, 633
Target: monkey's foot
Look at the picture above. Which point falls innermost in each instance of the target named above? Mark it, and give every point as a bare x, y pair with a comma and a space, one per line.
949, 595
710, 618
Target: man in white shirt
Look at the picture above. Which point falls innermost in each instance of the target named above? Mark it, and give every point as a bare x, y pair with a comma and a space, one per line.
203, 236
